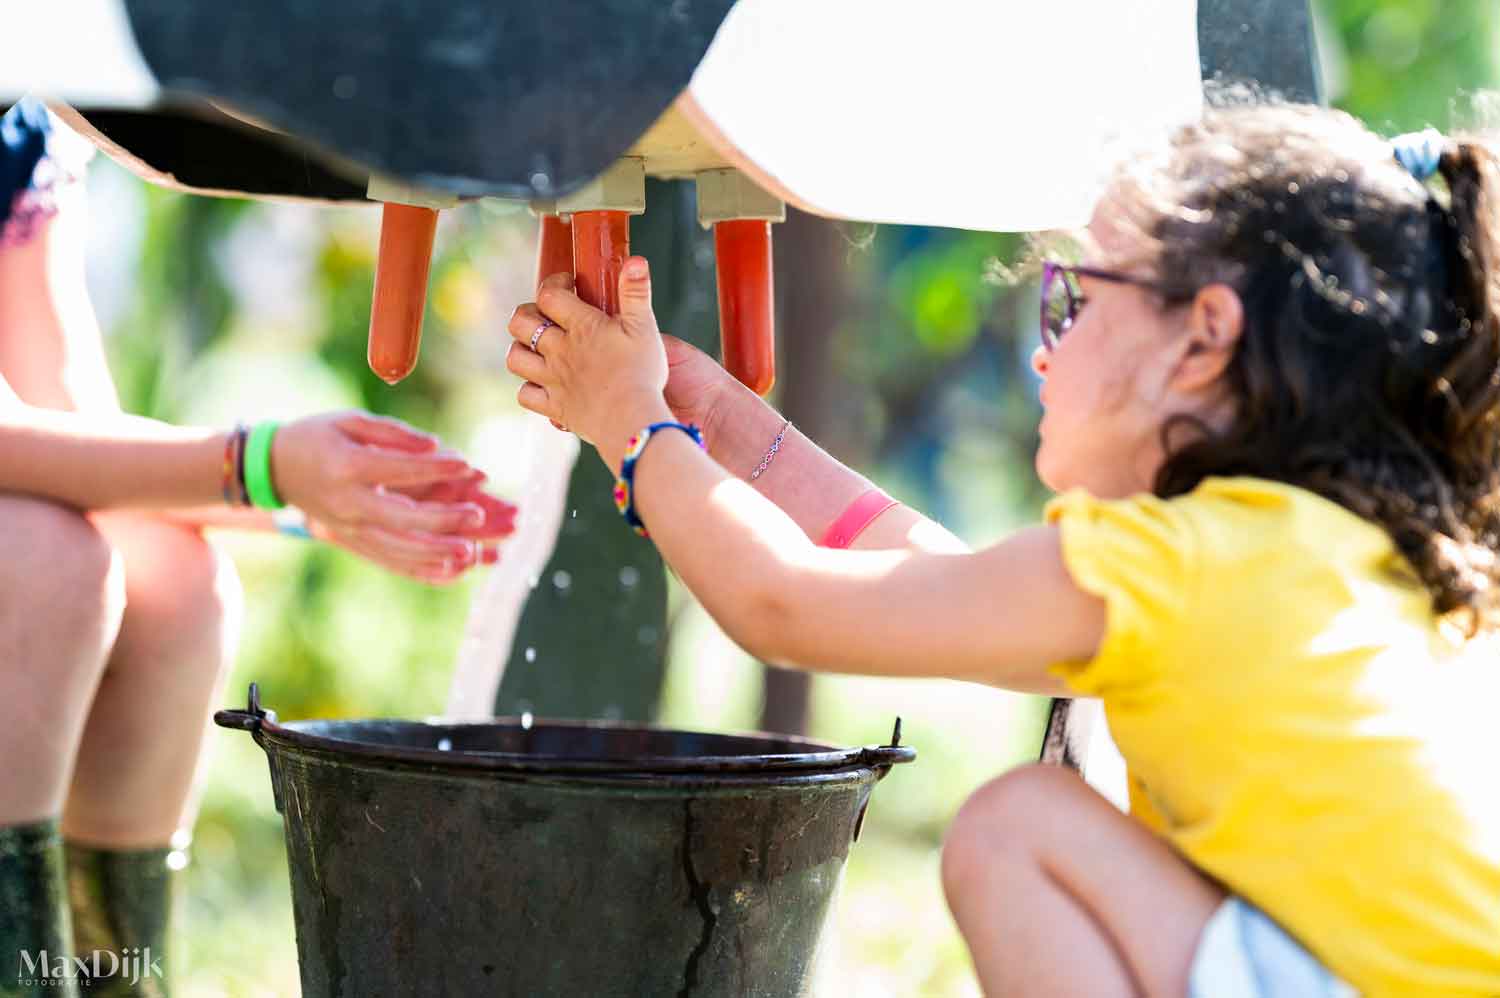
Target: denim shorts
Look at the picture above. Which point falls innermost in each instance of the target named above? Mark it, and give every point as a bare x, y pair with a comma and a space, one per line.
1243, 954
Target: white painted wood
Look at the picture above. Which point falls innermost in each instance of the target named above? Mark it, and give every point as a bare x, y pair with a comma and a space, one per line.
975, 115
80, 51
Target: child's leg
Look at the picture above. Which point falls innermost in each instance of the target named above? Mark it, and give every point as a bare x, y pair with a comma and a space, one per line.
1058, 893
134, 781
140, 752
62, 596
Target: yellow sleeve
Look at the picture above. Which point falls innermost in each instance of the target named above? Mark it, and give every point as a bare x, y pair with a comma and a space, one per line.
1137, 555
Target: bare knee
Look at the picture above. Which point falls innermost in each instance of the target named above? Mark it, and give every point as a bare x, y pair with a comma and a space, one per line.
182, 592
1002, 823
62, 582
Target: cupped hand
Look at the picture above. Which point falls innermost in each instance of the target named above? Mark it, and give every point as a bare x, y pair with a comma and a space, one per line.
389, 493
600, 376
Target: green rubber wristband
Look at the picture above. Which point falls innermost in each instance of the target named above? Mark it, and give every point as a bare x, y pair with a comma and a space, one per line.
258, 467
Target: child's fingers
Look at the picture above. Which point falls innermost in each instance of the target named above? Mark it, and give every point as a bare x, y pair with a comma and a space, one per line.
415, 548
534, 398
556, 300
399, 512
499, 514
396, 468
375, 546
526, 363
366, 428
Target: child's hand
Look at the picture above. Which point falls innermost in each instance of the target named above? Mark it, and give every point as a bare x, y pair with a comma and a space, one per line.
698, 388
389, 493
600, 376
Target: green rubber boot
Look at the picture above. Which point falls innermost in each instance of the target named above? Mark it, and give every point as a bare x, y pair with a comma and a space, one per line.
36, 937
122, 902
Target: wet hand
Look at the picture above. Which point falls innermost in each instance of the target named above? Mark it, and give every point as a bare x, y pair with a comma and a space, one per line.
600, 376
389, 493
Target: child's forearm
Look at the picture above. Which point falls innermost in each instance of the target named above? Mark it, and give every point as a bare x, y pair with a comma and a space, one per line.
107, 461
222, 517
809, 484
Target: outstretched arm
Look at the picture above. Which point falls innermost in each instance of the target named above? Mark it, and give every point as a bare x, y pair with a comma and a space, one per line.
972, 616
806, 482
895, 612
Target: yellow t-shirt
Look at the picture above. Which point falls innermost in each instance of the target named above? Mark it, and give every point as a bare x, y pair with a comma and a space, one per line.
1297, 726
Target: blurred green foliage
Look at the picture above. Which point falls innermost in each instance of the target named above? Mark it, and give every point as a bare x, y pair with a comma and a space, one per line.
941, 408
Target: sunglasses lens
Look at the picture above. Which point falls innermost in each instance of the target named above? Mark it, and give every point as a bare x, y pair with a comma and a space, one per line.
1057, 309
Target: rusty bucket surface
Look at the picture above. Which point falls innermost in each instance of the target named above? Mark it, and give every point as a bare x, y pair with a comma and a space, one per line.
559, 858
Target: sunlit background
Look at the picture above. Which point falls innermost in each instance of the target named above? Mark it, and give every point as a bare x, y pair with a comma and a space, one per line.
221, 310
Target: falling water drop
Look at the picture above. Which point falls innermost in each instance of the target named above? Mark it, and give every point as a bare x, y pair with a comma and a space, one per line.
531, 654
562, 580
526, 720
629, 576
445, 744
646, 635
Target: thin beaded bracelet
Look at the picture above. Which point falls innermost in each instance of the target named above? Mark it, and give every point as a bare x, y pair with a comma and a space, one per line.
226, 473
765, 462
625, 484
241, 435
232, 475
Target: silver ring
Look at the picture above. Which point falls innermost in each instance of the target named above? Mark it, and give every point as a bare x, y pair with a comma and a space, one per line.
537, 336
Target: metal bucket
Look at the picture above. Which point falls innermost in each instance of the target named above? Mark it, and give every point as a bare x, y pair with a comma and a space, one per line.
559, 858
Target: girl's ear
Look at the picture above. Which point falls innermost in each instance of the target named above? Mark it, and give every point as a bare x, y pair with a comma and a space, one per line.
1216, 319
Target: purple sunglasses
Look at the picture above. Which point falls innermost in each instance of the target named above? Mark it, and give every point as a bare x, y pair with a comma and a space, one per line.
1063, 297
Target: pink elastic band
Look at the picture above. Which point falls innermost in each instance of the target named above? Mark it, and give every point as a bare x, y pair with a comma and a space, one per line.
853, 521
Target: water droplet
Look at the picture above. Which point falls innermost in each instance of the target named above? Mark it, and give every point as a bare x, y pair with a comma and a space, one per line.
630, 576
526, 720
534, 581
1429, 337
445, 744
613, 712
540, 181
345, 87
574, 514
562, 580
531, 654
646, 635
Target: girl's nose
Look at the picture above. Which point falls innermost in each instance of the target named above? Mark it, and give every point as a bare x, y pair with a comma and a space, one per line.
1039, 358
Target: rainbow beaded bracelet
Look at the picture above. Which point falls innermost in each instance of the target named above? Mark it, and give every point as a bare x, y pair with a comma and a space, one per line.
625, 484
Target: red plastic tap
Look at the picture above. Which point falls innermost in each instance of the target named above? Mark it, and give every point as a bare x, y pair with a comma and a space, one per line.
554, 247
747, 334
601, 243
406, 234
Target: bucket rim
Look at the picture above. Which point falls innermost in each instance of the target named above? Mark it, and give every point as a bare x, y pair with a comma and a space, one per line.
821, 757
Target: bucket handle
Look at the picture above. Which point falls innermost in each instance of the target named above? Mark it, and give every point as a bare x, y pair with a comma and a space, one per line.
250, 718
886, 756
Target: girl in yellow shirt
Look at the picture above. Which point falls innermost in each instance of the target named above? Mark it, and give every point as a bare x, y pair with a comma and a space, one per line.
1272, 407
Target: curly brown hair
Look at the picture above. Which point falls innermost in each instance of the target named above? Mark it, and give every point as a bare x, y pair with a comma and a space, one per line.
1368, 369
